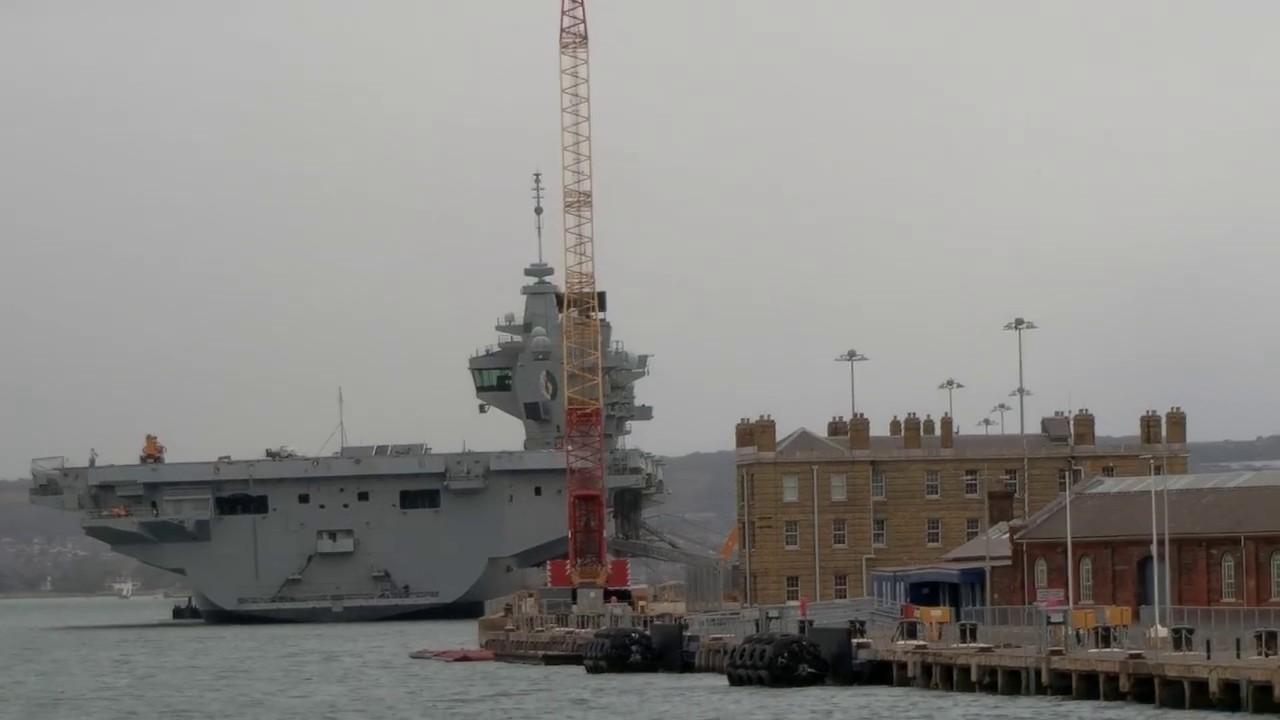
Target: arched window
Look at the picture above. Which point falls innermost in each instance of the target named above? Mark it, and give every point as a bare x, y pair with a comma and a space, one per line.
1228, 577
1086, 580
1042, 573
1275, 575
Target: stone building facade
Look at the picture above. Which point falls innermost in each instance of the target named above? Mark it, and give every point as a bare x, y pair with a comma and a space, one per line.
818, 512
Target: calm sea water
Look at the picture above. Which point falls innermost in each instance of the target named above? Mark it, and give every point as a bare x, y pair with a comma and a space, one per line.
105, 658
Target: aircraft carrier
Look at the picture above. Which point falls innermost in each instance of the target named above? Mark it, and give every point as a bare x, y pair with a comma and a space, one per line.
379, 531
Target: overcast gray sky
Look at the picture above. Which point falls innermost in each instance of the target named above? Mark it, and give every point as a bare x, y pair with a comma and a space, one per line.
213, 214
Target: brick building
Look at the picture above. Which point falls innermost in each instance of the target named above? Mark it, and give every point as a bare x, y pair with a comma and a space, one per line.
817, 513
1224, 538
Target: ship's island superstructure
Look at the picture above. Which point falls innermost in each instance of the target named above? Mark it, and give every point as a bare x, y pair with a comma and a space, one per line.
377, 531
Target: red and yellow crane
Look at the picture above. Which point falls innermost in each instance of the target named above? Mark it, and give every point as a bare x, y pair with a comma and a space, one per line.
580, 321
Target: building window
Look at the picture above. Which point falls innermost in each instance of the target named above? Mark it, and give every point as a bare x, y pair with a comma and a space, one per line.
362, 496
1108, 471
791, 534
1063, 474
877, 486
972, 528
790, 488
971, 483
419, 499
1086, 580
1275, 575
1042, 574
1157, 469
932, 485
1011, 482
841, 587
839, 534
839, 488
933, 531
793, 588
878, 533
1228, 577
241, 504
304, 498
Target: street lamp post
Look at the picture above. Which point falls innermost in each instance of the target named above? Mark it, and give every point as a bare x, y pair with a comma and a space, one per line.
1164, 485
1002, 408
852, 357
1155, 547
1018, 325
951, 386
1071, 558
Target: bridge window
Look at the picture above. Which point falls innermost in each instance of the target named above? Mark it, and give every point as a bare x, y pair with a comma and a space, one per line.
242, 505
419, 499
492, 379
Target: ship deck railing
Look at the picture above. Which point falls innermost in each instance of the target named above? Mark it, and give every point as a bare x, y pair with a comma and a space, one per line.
280, 599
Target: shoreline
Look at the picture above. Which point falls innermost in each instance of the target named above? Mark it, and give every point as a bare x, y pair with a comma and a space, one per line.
39, 595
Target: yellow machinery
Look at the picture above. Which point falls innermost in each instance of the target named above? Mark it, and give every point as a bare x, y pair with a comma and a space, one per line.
152, 451
1105, 625
933, 618
1102, 616
921, 624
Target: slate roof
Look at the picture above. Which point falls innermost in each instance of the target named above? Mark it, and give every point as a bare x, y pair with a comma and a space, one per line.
806, 444
1209, 505
977, 548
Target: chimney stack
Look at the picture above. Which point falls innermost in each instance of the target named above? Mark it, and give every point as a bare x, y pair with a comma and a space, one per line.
929, 426
895, 427
766, 434
911, 432
1176, 426
831, 427
1082, 428
859, 432
948, 431
1152, 432
745, 434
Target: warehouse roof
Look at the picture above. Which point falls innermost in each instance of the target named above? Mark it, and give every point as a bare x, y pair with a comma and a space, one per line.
1217, 504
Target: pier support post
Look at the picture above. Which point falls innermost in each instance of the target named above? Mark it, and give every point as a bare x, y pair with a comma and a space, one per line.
964, 679
1198, 695
899, 674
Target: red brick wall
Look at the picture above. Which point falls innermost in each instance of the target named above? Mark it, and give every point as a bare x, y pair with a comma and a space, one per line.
1196, 567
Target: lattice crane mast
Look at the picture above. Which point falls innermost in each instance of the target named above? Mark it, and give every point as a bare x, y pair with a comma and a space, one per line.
580, 322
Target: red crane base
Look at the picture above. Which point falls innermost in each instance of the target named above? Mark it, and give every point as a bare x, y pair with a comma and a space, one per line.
560, 576
584, 459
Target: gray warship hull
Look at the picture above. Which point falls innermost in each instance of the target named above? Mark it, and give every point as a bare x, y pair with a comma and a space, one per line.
382, 531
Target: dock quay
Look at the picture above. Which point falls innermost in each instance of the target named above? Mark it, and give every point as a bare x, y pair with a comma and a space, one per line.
1229, 662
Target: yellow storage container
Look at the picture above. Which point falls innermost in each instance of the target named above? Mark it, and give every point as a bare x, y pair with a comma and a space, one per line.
934, 615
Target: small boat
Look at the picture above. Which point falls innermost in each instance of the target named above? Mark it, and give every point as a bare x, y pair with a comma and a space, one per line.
455, 655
